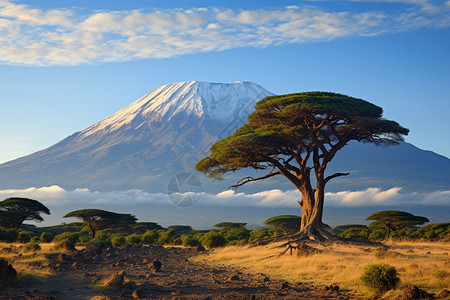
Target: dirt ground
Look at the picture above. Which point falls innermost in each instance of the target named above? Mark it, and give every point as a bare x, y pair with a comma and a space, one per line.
87, 274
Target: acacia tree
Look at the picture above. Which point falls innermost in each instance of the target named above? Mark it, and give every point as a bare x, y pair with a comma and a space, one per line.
288, 223
96, 219
14, 211
297, 136
230, 225
392, 220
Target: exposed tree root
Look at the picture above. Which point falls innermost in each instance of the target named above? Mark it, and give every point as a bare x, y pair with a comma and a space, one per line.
302, 249
318, 236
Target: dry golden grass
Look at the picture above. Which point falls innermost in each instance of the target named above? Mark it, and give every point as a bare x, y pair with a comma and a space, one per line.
426, 265
29, 264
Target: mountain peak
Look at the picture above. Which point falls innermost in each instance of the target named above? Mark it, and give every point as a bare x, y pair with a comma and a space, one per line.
222, 102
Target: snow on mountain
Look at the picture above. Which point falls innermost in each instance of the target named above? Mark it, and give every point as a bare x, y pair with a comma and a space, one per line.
220, 101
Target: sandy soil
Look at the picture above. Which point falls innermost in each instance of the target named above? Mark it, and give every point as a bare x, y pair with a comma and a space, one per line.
82, 275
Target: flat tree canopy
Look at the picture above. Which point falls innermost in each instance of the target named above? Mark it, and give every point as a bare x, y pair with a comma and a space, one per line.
97, 218
288, 223
296, 136
230, 225
393, 220
14, 211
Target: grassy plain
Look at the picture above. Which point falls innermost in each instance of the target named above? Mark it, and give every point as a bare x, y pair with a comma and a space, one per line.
424, 264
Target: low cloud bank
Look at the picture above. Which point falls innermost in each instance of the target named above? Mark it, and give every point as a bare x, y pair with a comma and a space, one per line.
57, 196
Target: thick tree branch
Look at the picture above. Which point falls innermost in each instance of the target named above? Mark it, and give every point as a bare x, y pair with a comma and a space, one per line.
328, 178
251, 179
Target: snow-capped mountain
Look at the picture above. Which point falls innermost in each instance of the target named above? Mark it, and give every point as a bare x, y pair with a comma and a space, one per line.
142, 145
167, 131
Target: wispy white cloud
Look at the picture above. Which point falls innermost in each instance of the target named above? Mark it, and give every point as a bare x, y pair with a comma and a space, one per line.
33, 36
57, 196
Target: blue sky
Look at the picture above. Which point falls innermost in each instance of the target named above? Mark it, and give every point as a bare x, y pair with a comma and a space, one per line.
65, 65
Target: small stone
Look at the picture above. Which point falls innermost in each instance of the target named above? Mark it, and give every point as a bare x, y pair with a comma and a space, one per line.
136, 294
200, 248
284, 285
412, 292
234, 277
156, 265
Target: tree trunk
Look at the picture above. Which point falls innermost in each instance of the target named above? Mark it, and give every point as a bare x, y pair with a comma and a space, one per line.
312, 205
92, 228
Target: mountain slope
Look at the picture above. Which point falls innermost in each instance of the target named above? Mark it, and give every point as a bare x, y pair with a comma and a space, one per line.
167, 131
159, 135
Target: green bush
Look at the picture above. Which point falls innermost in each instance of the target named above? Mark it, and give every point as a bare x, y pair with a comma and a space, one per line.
8, 235
262, 234
380, 254
236, 234
134, 239
85, 237
24, 237
31, 247
46, 237
380, 277
355, 233
168, 237
189, 241
378, 234
150, 237
440, 274
119, 241
213, 239
102, 235
102, 244
72, 237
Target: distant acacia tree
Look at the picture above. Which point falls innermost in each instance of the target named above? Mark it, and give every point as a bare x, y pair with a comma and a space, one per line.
288, 223
297, 136
14, 211
230, 225
181, 228
393, 220
96, 219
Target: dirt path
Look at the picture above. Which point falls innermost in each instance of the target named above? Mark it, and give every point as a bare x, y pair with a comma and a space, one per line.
178, 278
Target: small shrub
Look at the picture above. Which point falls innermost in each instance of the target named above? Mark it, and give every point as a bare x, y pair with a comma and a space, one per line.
85, 237
8, 235
380, 277
168, 237
190, 241
102, 235
213, 239
380, 254
177, 241
31, 247
24, 237
134, 239
377, 235
150, 237
46, 237
262, 234
119, 241
355, 233
101, 244
440, 274
72, 237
